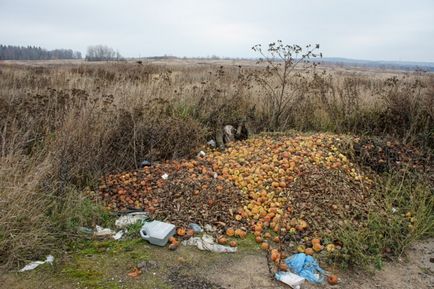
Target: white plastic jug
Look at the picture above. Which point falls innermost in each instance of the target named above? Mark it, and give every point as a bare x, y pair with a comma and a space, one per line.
157, 233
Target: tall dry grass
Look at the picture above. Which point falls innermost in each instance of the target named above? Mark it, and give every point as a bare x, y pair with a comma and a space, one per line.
63, 126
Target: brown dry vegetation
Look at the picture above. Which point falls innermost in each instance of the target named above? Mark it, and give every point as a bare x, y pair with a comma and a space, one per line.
64, 126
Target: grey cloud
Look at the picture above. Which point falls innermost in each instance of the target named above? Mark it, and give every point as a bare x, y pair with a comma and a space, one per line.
370, 29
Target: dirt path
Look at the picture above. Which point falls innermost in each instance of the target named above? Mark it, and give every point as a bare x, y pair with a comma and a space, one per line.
416, 272
413, 272
107, 266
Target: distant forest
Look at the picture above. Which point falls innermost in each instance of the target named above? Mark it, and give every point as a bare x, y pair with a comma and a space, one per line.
10, 52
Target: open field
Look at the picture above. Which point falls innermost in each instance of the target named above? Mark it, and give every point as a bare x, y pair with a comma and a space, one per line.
344, 155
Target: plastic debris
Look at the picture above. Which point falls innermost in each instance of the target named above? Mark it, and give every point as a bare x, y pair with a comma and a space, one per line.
101, 232
35, 264
131, 219
118, 235
85, 230
157, 233
165, 176
145, 163
307, 267
195, 227
212, 143
210, 228
290, 279
201, 154
206, 243
229, 133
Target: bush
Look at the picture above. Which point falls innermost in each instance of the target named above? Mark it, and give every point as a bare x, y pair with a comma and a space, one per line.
57, 143
408, 216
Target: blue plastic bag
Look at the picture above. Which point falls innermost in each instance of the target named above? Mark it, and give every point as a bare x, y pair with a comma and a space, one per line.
307, 267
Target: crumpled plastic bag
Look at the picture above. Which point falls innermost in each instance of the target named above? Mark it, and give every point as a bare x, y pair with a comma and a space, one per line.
131, 219
196, 228
290, 279
307, 267
35, 264
101, 232
206, 243
118, 235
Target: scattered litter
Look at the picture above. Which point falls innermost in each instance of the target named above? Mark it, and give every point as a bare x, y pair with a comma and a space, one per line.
229, 133
195, 227
206, 243
130, 219
290, 279
165, 176
103, 232
106, 232
306, 266
212, 143
85, 230
35, 264
118, 235
145, 163
394, 210
201, 154
157, 233
215, 175
210, 228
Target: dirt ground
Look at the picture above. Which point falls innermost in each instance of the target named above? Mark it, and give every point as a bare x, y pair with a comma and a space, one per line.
106, 265
412, 272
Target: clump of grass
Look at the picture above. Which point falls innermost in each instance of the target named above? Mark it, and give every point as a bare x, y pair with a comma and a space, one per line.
407, 216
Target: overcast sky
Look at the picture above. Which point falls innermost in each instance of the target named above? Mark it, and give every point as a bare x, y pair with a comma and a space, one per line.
362, 29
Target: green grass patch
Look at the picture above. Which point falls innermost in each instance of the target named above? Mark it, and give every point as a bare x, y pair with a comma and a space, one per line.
407, 216
248, 244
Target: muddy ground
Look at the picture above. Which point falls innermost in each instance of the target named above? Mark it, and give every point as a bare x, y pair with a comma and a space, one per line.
106, 265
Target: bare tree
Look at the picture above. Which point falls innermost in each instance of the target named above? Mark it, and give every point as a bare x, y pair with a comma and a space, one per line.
102, 53
281, 61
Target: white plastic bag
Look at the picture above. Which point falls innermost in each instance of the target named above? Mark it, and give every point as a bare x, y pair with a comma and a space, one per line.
130, 219
35, 264
290, 279
101, 232
206, 243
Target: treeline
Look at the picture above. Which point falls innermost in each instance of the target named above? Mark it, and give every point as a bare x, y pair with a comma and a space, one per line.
102, 53
10, 52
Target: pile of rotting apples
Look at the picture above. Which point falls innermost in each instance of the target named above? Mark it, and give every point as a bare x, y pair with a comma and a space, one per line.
191, 193
296, 188
285, 190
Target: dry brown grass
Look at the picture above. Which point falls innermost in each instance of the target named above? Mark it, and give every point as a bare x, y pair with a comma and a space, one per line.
64, 125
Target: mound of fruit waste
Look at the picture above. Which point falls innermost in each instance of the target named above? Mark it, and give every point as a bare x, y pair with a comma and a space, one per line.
298, 184
283, 189
192, 193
